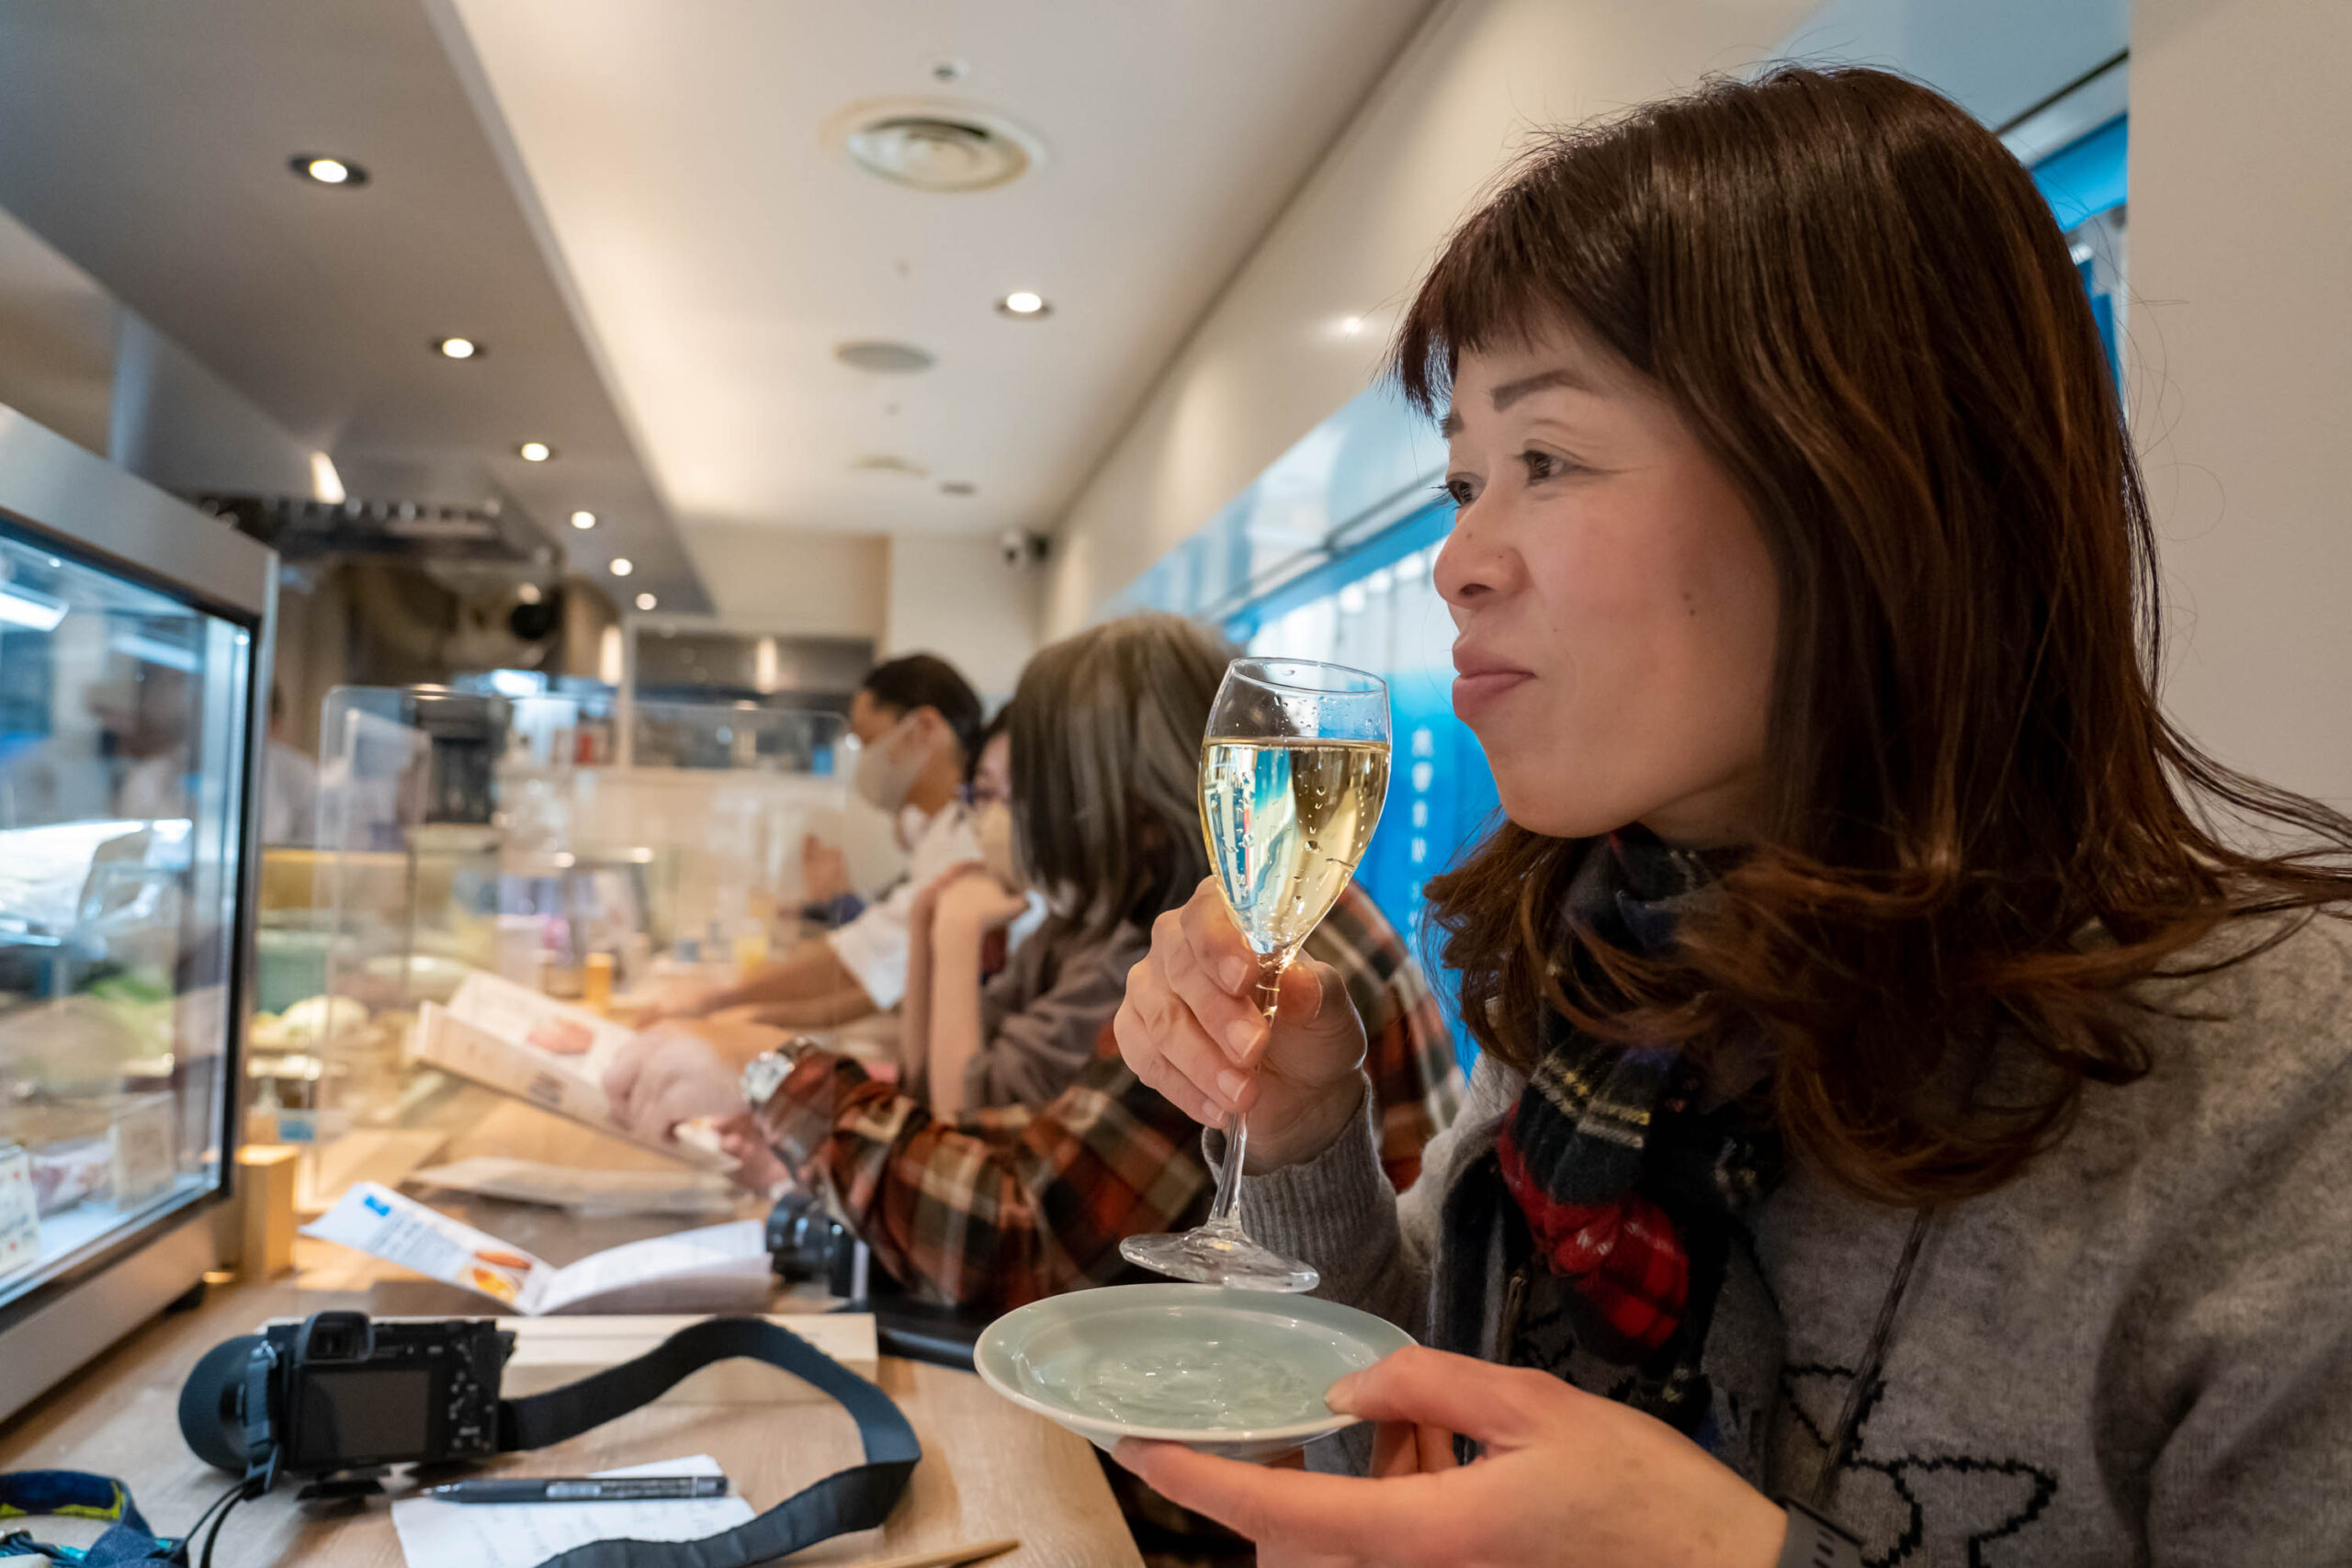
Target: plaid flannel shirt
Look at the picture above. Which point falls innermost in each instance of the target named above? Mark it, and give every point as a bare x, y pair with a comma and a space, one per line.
999, 1207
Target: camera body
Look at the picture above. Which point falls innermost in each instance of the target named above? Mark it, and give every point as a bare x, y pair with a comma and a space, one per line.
804, 1243
342, 1392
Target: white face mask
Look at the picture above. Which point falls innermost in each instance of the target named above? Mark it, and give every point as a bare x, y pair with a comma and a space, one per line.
887, 769
995, 829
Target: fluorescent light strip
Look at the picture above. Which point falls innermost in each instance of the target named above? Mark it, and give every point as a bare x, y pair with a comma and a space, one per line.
29, 607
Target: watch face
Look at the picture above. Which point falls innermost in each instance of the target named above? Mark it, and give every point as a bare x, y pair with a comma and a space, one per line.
764, 1077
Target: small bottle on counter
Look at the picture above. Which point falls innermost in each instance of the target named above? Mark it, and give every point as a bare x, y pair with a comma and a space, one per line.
597, 982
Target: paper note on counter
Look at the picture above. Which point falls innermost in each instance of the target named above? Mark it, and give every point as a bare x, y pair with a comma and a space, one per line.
434, 1534
715, 1268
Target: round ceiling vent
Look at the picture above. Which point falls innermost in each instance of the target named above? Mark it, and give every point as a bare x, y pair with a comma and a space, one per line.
889, 463
889, 359
932, 146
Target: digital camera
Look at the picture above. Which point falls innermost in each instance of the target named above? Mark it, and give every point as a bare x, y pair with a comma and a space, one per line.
342, 1392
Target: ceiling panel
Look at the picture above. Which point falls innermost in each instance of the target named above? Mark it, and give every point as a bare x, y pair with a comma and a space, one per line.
149, 144
722, 249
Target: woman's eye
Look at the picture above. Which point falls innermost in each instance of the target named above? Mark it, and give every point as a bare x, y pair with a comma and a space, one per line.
1541, 466
1462, 489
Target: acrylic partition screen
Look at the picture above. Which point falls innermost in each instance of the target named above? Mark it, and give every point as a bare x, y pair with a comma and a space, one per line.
124, 716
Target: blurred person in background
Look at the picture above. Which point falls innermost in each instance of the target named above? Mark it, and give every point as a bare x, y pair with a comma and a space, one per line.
918, 724
290, 785
1036, 1151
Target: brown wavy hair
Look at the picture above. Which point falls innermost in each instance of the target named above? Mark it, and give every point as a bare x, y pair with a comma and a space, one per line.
1983, 828
1105, 729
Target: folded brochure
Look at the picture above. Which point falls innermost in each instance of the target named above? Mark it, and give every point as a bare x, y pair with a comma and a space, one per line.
715, 1268
511, 1039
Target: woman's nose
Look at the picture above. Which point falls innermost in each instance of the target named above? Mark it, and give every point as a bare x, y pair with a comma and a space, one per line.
1473, 565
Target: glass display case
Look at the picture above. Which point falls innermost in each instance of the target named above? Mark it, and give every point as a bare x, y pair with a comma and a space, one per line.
458, 832
133, 643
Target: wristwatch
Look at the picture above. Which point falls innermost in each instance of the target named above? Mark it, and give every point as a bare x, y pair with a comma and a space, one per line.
765, 1073
1815, 1540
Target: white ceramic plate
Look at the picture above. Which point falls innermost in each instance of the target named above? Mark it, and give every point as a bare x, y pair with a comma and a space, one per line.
1038, 1356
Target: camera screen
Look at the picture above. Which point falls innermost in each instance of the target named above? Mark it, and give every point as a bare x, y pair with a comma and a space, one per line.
355, 1417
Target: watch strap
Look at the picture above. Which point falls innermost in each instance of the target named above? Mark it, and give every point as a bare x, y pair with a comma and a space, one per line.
1815, 1540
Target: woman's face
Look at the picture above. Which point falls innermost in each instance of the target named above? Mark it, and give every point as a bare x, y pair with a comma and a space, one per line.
1615, 605
992, 779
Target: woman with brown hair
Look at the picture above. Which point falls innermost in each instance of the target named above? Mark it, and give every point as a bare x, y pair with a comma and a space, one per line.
1904, 1093
1035, 1150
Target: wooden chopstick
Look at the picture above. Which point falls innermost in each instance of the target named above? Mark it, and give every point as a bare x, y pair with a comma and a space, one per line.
952, 1556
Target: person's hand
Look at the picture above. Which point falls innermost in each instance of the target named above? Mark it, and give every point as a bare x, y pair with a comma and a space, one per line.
824, 871
971, 902
1190, 1028
756, 1166
663, 1077
1566, 1479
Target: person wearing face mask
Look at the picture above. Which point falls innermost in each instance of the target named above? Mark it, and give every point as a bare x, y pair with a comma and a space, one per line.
917, 723
1032, 1150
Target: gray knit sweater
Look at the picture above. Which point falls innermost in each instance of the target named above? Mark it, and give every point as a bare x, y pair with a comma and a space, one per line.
2139, 1351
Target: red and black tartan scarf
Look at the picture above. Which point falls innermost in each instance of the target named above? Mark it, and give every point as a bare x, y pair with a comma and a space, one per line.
1610, 1154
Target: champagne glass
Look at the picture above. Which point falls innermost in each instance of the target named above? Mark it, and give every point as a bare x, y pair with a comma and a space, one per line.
1293, 769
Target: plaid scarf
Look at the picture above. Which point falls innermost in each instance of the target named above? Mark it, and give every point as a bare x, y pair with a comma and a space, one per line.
1628, 1180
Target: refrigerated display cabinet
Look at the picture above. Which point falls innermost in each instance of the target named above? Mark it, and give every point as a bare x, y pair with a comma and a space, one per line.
134, 658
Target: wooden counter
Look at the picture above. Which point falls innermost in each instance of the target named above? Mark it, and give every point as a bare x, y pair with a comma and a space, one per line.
989, 1468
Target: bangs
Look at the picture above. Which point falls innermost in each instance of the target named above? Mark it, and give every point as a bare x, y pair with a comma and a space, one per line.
1556, 242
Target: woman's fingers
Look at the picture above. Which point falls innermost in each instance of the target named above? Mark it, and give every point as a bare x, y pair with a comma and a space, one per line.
1201, 977
1434, 1388
1345, 1517
1157, 1053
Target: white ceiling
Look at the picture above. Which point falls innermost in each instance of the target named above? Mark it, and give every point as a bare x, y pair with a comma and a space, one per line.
719, 251
147, 146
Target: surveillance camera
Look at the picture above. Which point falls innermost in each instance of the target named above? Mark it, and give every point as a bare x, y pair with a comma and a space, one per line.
1019, 546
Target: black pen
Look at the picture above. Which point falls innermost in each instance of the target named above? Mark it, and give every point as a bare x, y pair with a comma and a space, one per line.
582, 1489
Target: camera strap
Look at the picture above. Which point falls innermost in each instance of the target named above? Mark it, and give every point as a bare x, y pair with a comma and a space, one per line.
855, 1499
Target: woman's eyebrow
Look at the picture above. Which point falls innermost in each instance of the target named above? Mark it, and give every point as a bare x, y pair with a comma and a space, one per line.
1510, 393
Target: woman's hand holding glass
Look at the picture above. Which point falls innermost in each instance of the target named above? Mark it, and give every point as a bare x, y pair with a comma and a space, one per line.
1566, 1479
1191, 1029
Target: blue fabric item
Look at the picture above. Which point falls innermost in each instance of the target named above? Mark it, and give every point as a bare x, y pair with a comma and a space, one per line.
76, 1494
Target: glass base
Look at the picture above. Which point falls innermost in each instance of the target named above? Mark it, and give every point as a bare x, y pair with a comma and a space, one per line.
1218, 1253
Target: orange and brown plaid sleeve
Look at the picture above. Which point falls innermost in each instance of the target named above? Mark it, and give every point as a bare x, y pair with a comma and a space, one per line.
999, 1207
1416, 1085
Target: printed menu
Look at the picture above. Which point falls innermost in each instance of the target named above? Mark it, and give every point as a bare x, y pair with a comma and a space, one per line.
511, 1039
715, 1268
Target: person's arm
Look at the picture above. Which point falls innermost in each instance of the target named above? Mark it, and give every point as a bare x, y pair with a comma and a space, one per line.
812, 973
1000, 1207
956, 1040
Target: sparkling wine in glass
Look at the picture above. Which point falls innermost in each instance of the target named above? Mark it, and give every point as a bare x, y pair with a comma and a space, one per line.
1293, 769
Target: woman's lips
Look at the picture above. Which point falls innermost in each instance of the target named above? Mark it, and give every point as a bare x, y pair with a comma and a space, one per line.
1481, 683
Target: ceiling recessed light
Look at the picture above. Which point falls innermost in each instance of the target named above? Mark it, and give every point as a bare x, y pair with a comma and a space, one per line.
646, 601
1024, 302
622, 566
457, 348
328, 170
584, 520
534, 451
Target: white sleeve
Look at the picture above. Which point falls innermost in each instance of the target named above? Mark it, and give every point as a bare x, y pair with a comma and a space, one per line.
873, 947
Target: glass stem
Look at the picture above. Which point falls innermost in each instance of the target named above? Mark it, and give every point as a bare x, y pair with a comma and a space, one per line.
1224, 1208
